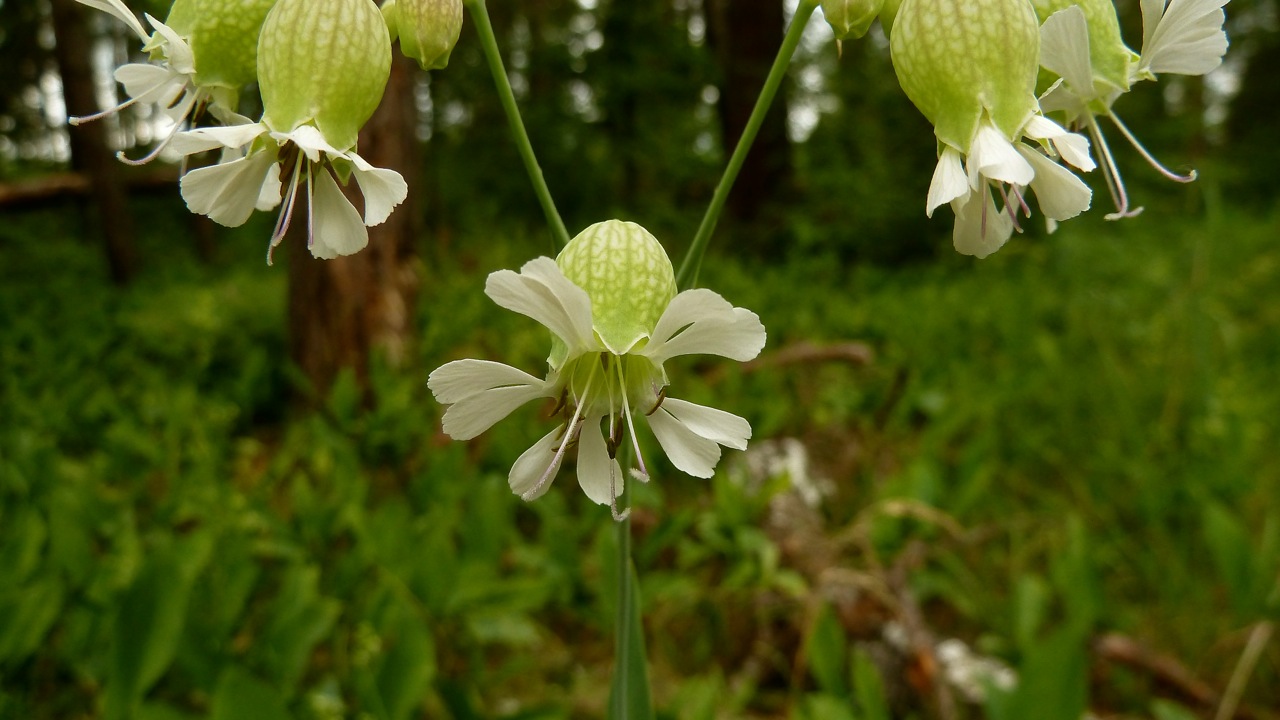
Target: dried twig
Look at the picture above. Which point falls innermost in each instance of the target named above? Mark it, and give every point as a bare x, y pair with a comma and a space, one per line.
1258, 639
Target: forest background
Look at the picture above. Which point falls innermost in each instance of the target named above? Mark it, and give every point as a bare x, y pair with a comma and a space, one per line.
224, 491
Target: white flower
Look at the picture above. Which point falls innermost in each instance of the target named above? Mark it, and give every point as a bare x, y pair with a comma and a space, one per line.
257, 158
169, 83
995, 163
1184, 37
601, 390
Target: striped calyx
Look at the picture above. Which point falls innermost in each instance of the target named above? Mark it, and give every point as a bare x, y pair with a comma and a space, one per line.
323, 63
960, 59
628, 276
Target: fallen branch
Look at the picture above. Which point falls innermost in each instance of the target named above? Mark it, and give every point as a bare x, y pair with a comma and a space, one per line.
55, 186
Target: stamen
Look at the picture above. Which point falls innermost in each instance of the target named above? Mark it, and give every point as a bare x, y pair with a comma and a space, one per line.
189, 103
1189, 177
662, 395
1115, 185
631, 424
1009, 207
311, 208
571, 432
286, 216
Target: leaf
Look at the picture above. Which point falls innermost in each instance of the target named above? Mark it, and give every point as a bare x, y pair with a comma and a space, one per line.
1166, 710
241, 696
1031, 601
149, 621
826, 651
301, 618
26, 614
635, 703
827, 707
1052, 681
408, 667
868, 687
1230, 548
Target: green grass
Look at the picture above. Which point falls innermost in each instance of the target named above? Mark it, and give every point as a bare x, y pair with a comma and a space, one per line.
1075, 436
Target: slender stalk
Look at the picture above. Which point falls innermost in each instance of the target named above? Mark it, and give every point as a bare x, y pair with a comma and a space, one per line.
692, 262
622, 615
489, 42
1258, 639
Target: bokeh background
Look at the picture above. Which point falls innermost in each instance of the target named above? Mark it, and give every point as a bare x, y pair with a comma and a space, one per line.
1037, 486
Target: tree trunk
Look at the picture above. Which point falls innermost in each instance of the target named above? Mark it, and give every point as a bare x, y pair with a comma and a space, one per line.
343, 310
745, 36
90, 152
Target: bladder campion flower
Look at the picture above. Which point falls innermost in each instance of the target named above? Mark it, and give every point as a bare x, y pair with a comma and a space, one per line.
610, 301
970, 66
322, 68
200, 58
1081, 45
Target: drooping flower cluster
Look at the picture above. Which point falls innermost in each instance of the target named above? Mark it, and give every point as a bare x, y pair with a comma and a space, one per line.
972, 66
321, 67
1082, 47
610, 301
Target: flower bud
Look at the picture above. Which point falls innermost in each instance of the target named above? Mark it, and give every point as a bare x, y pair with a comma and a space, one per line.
324, 63
427, 29
850, 19
960, 59
1109, 56
628, 276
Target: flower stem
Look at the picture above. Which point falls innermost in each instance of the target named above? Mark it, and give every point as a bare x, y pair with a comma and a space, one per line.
622, 616
489, 41
688, 275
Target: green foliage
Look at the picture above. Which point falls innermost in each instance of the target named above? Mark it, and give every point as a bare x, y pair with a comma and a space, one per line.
1074, 436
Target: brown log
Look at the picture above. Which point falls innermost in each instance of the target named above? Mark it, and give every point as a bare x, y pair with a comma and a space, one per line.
78, 185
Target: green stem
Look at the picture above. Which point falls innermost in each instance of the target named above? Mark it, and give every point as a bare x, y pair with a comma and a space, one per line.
688, 274
622, 616
489, 42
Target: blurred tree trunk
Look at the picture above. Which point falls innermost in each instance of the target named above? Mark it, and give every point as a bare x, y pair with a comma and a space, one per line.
341, 311
745, 36
90, 152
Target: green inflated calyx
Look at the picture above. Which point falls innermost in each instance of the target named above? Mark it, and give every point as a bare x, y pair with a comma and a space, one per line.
324, 63
850, 19
1108, 54
224, 40
959, 60
427, 29
628, 277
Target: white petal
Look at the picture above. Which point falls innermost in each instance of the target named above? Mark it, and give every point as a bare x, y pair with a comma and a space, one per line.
228, 192
949, 181
209, 138
687, 450
336, 228
383, 190
540, 291
595, 465
700, 322
1064, 49
1060, 194
992, 156
975, 234
1185, 38
117, 9
270, 195
147, 83
462, 379
530, 467
479, 393
1073, 147
724, 428
177, 53
1060, 98
309, 140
